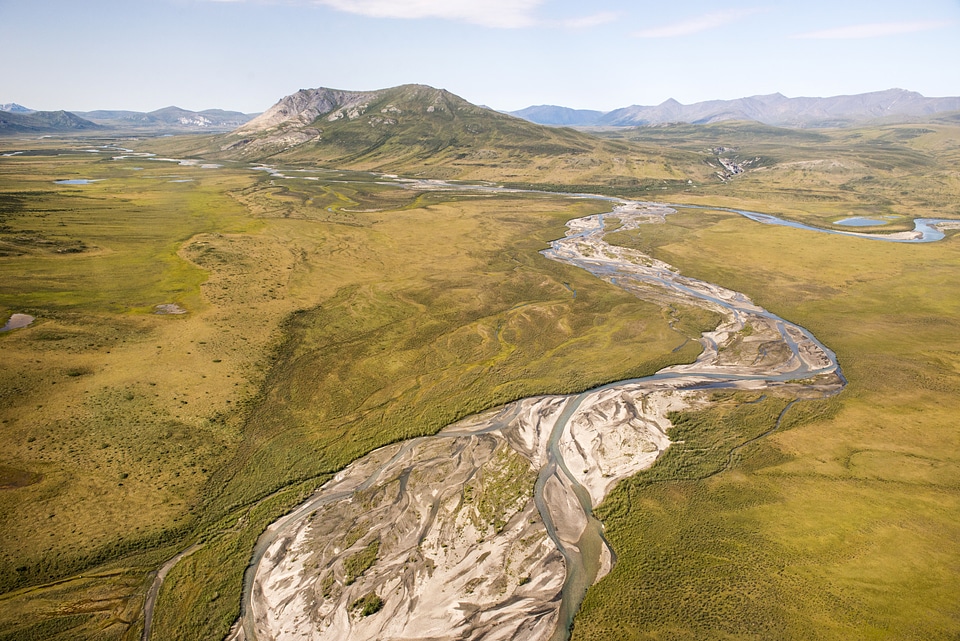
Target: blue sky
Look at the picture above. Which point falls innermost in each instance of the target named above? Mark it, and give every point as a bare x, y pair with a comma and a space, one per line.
508, 54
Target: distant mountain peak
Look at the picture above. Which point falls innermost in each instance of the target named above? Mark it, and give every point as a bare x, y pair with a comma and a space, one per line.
43, 122
554, 115
12, 107
169, 119
770, 97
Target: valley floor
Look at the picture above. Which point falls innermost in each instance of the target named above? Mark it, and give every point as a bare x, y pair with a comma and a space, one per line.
328, 315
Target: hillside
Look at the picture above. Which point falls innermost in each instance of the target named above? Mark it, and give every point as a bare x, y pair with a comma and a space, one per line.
411, 123
43, 122
420, 130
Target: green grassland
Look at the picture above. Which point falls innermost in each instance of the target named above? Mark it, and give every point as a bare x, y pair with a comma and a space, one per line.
820, 176
323, 319
327, 317
899, 171
842, 523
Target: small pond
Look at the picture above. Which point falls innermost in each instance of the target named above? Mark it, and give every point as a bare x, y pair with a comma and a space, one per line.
17, 321
859, 221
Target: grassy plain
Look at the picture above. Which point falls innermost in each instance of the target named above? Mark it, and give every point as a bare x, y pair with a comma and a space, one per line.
821, 176
842, 523
323, 318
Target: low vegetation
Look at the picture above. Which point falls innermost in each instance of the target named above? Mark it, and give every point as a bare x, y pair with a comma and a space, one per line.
323, 319
358, 563
837, 525
367, 604
503, 487
898, 171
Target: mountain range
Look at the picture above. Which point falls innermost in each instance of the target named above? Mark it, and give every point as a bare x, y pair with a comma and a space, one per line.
418, 130
773, 109
307, 105
169, 119
166, 120
43, 122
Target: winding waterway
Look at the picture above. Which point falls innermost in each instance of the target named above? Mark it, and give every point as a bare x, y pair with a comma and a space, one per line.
440, 567
434, 562
925, 230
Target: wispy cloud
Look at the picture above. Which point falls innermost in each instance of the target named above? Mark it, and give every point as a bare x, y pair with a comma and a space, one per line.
698, 24
873, 30
504, 14
594, 20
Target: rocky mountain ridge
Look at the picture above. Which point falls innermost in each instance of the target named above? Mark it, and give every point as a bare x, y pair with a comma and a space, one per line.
13, 107
306, 105
409, 120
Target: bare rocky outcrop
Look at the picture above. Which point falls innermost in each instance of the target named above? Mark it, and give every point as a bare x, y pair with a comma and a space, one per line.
305, 106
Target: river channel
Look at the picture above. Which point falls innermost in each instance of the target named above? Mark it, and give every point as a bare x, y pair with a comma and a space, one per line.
440, 571
485, 530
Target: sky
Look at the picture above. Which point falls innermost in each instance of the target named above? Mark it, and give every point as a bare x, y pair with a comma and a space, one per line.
244, 55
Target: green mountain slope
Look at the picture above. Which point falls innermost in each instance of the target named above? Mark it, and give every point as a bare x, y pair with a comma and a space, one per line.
416, 129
